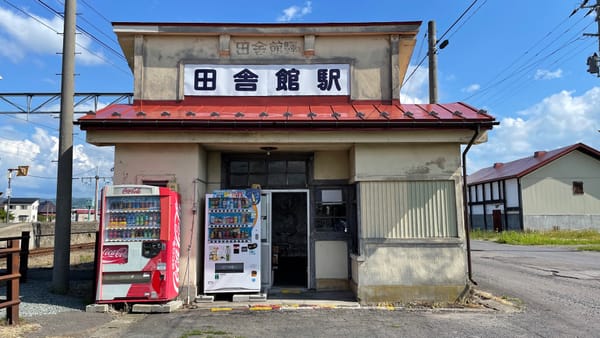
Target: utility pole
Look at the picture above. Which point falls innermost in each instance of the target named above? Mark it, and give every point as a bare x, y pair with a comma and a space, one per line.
593, 61
432, 54
96, 196
62, 232
97, 178
433, 95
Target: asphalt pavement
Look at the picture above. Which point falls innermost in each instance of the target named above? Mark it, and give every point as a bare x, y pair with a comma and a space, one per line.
539, 291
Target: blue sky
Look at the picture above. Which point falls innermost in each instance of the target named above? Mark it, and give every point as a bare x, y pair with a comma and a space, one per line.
522, 61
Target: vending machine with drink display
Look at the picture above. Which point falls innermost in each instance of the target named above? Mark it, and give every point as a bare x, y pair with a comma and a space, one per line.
232, 247
138, 246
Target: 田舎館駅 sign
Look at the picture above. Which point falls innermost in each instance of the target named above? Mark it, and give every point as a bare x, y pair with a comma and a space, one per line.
266, 80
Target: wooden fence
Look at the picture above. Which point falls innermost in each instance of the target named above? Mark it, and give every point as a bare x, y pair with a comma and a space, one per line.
15, 251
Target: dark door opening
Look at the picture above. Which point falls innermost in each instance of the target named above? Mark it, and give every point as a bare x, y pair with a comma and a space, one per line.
289, 239
497, 220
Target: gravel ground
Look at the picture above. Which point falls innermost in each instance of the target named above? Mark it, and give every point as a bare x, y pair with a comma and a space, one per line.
37, 299
36, 296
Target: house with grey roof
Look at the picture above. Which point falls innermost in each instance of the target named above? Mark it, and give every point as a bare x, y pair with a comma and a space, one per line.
22, 209
558, 189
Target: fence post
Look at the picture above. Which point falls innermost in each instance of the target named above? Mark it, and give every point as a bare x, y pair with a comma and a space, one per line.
97, 258
12, 286
24, 265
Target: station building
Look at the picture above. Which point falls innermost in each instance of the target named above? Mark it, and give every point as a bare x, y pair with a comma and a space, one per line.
361, 192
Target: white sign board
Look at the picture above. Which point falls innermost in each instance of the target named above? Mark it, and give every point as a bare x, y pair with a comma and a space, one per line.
266, 80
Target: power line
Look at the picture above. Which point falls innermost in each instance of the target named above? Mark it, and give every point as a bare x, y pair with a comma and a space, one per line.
96, 11
438, 40
86, 33
99, 56
523, 66
91, 36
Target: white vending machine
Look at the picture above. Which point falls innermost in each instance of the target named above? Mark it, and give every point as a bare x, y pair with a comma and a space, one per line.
232, 241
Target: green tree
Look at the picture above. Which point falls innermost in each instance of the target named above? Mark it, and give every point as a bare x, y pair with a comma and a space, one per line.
3, 216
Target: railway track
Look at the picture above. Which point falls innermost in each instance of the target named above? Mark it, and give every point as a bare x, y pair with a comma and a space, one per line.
50, 250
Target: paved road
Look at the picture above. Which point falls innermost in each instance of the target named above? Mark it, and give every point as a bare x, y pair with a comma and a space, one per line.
559, 290
558, 286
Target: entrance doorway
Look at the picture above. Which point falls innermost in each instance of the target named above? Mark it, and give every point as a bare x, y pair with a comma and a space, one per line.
286, 216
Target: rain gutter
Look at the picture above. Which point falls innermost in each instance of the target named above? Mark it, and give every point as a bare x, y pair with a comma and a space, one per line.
465, 206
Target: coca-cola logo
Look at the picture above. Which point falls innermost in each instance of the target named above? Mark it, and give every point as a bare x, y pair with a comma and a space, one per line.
176, 243
131, 191
115, 254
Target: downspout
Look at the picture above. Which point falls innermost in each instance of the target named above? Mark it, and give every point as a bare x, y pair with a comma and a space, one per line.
466, 213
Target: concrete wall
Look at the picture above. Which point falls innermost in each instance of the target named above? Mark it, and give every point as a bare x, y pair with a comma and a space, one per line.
42, 233
428, 271
561, 222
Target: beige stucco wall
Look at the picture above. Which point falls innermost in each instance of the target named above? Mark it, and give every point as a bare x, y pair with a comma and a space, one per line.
185, 164
422, 161
371, 68
331, 260
331, 165
393, 268
159, 63
548, 190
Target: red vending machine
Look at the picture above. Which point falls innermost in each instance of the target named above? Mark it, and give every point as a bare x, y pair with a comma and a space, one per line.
138, 251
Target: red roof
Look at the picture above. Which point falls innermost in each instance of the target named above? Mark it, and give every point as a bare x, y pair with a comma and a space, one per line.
281, 113
524, 166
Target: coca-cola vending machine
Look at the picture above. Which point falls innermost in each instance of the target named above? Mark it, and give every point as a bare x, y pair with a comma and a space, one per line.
138, 251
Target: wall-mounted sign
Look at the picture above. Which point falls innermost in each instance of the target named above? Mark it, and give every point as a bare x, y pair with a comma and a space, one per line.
266, 80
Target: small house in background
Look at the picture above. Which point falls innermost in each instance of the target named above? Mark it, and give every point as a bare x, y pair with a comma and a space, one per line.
558, 189
22, 209
82, 215
47, 211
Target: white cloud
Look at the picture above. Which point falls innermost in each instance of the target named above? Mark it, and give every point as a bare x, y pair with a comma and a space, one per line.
471, 88
295, 12
415, 90
21, 35
40, 151
544, 74
557, 121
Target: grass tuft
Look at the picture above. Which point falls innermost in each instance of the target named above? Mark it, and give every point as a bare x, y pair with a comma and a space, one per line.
588, 239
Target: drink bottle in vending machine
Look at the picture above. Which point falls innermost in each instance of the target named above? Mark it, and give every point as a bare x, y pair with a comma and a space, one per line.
139, 244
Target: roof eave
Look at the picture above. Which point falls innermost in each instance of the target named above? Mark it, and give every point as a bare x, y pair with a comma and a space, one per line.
281, 124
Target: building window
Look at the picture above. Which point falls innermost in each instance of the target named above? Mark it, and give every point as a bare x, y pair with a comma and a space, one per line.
268, 173
577, 188
331, 211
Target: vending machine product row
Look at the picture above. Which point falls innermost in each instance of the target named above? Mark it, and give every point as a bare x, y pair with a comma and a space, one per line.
139, 244
232, 241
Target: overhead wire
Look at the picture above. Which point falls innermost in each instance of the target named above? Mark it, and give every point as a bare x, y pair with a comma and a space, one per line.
99, 56
91, 36
81, 29
438, 40
51, 128
522, 65
467, 19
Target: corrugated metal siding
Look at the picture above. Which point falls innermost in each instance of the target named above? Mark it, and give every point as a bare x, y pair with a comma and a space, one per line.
399, 210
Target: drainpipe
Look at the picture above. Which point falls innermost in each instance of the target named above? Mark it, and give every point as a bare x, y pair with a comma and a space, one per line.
466, 213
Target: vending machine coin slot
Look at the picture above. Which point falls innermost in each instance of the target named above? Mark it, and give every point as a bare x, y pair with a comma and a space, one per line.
151, 249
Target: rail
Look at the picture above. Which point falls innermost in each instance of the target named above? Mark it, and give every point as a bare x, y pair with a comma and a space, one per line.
15, 248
